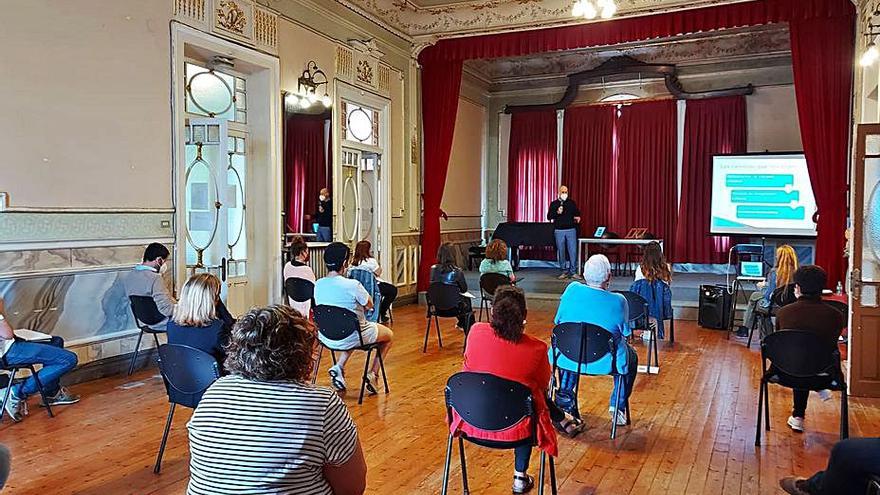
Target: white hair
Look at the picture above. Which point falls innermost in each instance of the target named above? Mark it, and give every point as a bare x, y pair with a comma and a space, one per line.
597, 269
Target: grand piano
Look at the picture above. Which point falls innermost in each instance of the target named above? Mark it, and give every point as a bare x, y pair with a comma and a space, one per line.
518, 234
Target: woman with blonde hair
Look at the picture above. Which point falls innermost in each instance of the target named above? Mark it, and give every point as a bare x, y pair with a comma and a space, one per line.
781, 275
200, 319
496, 260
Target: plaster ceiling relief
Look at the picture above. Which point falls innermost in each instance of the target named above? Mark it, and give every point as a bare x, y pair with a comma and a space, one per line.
685, 50
446, 18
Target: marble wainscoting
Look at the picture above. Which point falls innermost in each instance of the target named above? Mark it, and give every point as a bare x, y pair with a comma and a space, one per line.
75, 293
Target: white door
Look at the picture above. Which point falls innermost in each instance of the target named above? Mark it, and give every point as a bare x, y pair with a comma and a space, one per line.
214, 212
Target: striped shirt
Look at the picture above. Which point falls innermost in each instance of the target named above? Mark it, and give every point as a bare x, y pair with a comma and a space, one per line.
249, 437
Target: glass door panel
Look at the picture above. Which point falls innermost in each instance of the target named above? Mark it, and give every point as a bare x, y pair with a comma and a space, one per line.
350, 210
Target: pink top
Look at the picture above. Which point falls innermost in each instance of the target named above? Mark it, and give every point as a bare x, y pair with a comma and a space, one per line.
300, 270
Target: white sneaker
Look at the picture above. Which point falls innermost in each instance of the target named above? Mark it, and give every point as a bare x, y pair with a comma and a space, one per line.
646, 335
336, 377
372, 380
523, 483
796, 424
620, 417
825, 395
15, 407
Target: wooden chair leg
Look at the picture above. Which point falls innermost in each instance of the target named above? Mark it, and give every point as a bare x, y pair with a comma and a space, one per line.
446, 465
158, 465
464, 476
134, 356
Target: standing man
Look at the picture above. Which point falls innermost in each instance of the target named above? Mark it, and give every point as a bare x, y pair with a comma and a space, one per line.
565, 216
324, 216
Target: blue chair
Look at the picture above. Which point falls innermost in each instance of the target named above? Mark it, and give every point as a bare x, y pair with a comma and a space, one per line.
146, 314
491, 403
336, 323
583, 343
800, 360
187, 372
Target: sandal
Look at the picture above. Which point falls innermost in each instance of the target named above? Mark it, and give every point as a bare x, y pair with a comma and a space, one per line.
570, 427
523, 484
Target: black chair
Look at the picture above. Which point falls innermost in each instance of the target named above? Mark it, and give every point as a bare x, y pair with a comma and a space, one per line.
840, 306
146, 314
611, 251
13, 370
300, 290
873, 485
442, 302
638, 317
800, 360
781, 296
489, 283
491, 403
475, 254
335, 323
584, 343
187, 373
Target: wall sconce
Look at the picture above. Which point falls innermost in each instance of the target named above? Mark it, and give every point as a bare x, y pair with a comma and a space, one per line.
871, 53
308, 88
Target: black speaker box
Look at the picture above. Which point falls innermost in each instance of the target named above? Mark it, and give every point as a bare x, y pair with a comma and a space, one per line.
714, 311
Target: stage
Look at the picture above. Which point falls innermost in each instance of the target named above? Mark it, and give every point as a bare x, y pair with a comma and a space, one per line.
543, 289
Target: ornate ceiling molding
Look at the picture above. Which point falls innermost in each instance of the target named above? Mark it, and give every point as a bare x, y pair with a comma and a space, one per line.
764, 41
489, 16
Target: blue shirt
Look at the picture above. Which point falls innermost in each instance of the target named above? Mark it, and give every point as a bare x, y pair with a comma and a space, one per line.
583, 304
342, 292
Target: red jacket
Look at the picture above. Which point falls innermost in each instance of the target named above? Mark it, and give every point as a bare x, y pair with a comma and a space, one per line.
524, 362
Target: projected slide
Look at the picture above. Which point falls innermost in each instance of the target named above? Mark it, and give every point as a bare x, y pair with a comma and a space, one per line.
762, 195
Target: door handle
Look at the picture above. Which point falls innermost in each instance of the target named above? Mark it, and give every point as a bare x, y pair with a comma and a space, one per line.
855, 283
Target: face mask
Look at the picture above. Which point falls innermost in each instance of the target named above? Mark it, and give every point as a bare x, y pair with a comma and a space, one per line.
322, 197
563, 196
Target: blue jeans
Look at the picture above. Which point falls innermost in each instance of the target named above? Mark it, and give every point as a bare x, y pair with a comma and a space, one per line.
566, 238
849, 466
325, 234
54, 358
566, 399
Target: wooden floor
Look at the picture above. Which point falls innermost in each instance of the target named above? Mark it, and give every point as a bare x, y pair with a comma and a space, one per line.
693, 429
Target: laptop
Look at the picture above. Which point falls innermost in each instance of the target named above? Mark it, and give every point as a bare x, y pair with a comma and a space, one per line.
600, 231
751, 269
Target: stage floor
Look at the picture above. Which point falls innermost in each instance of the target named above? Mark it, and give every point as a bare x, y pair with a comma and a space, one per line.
542, 287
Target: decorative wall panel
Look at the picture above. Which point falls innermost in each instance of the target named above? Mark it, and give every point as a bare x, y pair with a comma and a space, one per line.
19, 227
241, 20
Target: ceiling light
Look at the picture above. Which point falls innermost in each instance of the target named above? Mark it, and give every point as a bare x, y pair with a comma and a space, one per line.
590, 9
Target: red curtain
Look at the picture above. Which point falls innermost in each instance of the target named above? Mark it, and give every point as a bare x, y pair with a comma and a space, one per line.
822, 53
588, 162
822, 32
440, 87
305, 168
532, 168
646, 170
711, 127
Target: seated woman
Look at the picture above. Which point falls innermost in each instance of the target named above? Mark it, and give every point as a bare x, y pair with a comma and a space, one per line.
496, 260
446, 272
298, 267
363, 259
504, 350
653, 278
289, 436
200, 319
781, 275
337, 290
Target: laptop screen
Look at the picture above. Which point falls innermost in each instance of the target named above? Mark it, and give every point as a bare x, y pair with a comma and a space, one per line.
751, 268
